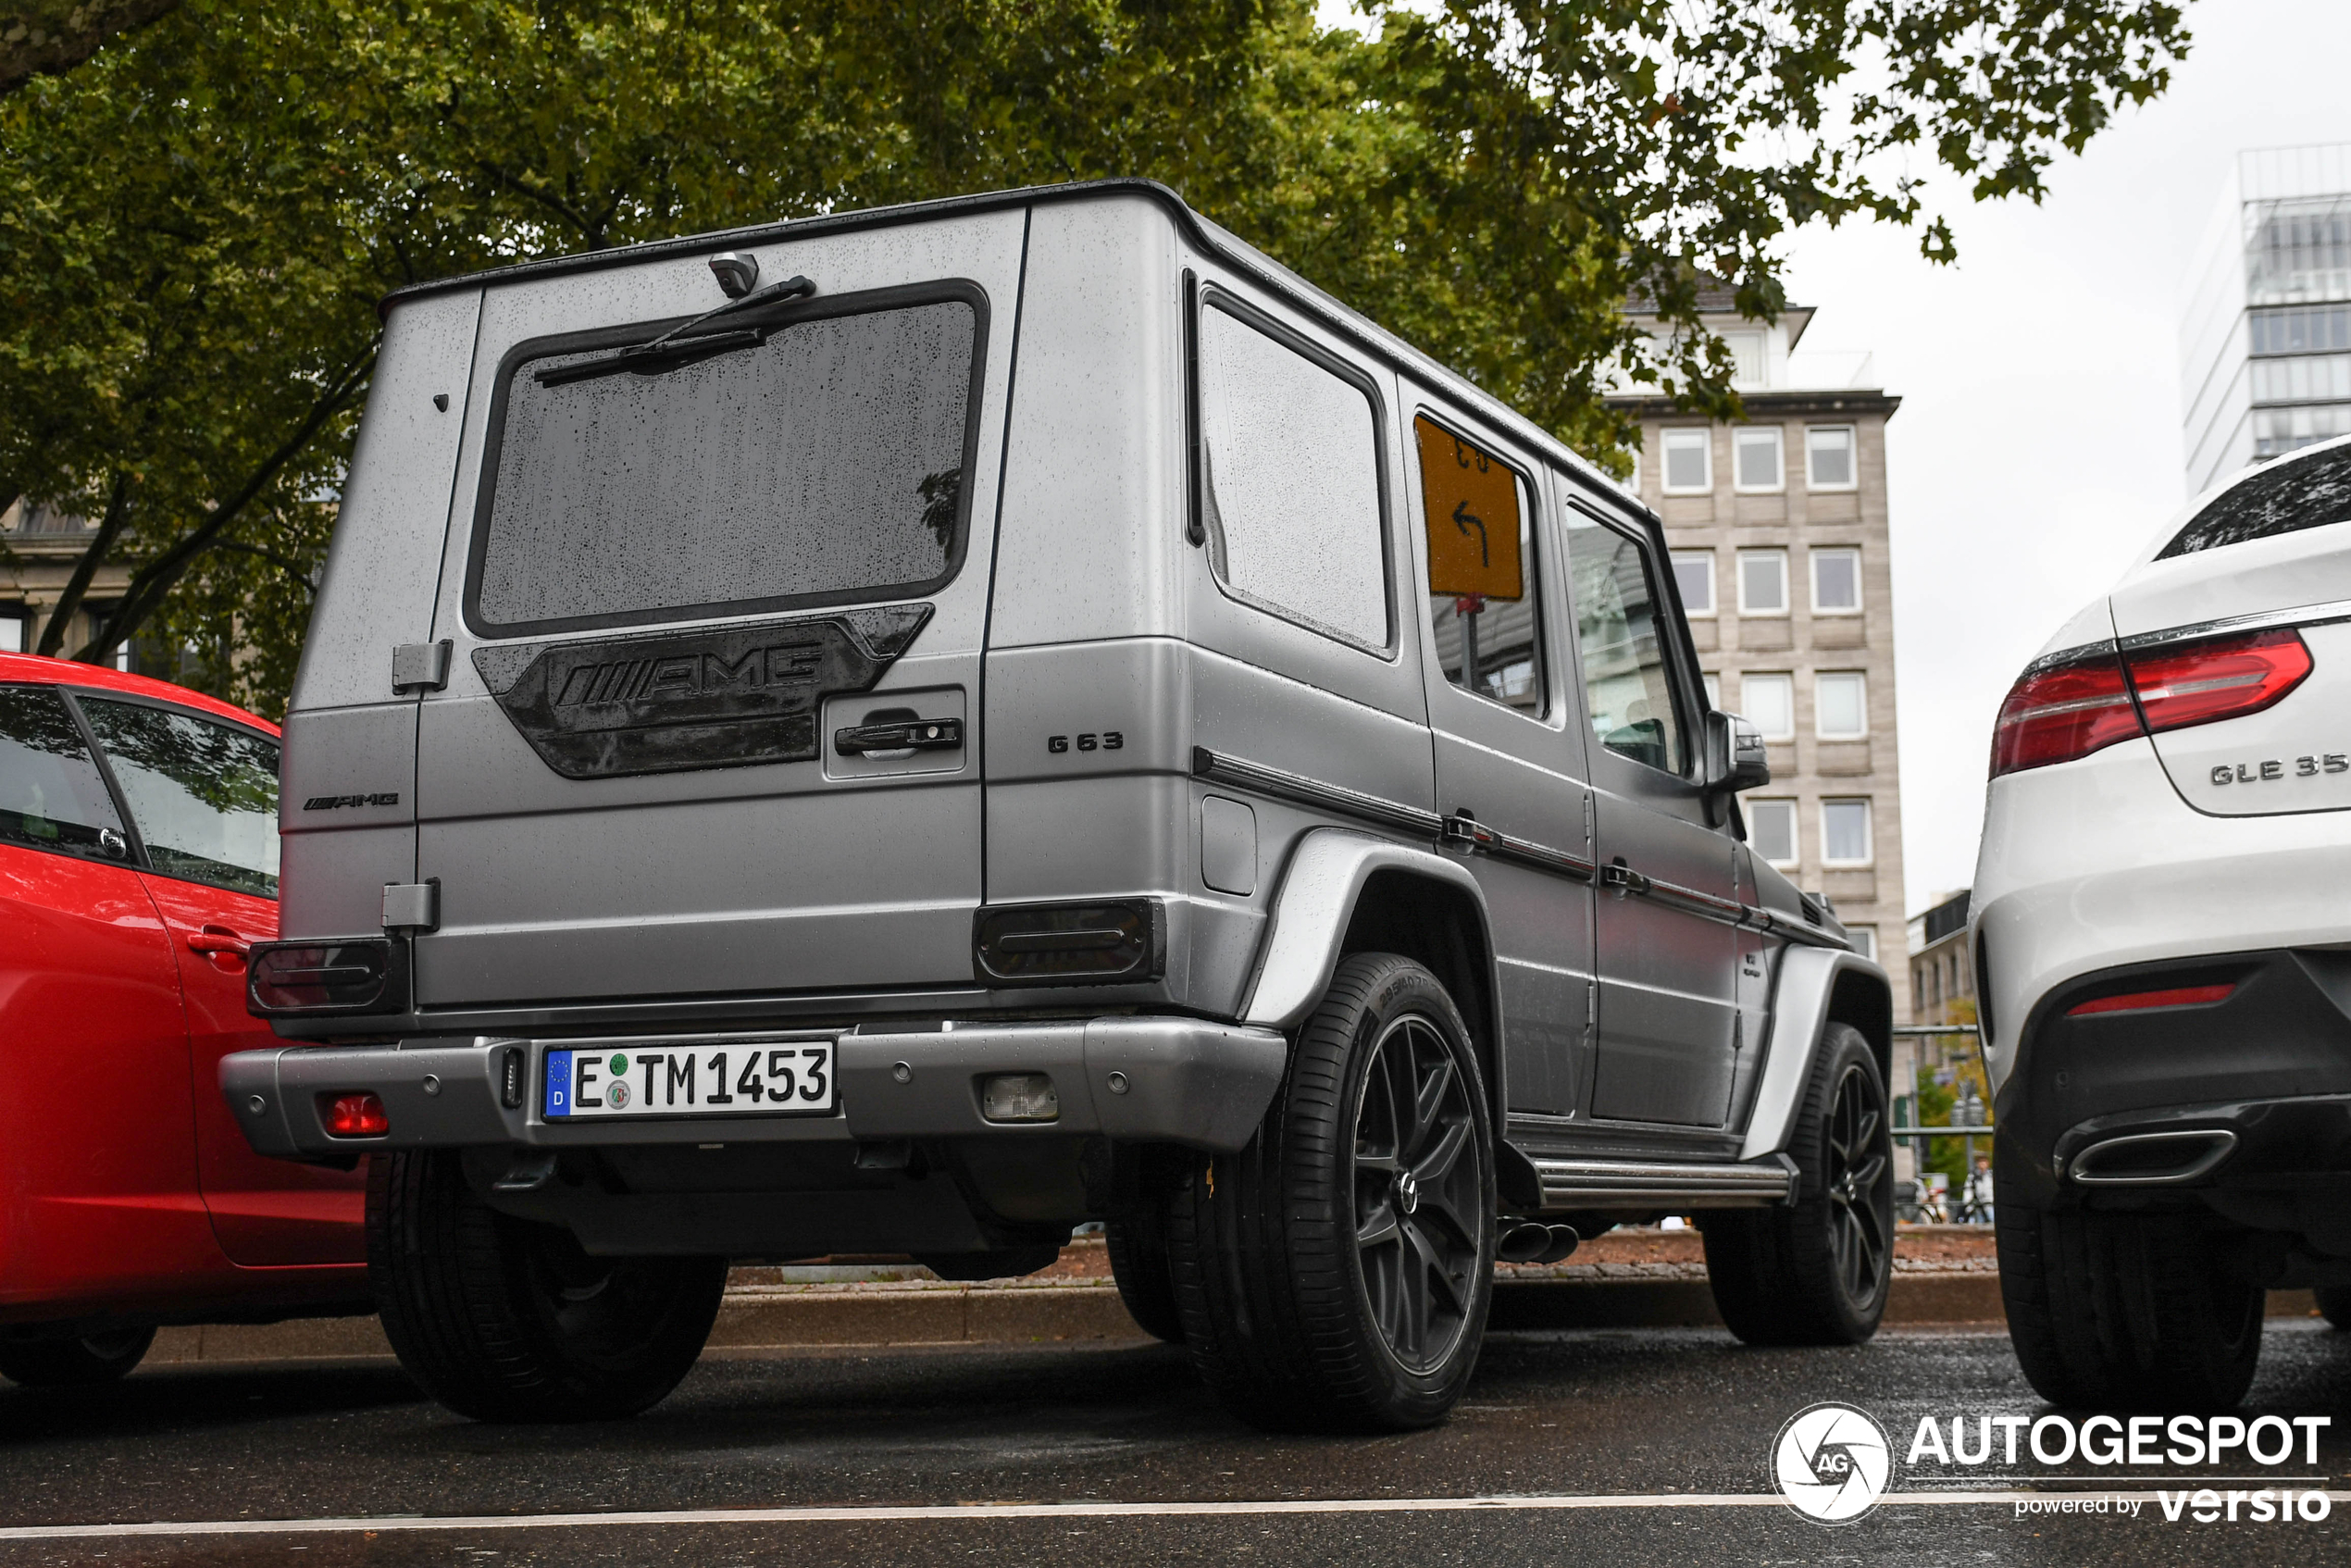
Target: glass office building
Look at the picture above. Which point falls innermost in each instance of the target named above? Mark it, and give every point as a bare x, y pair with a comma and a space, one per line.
2266, 344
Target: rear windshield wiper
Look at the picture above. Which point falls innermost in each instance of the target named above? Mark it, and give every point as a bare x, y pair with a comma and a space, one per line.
676, 347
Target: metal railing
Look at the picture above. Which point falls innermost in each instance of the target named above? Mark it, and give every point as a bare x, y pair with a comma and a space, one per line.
1970, 1210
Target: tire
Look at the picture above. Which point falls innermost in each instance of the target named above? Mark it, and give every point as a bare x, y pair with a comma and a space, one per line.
502, 1319
2334, 1304
84, 1361
1138, 1247
1815, 1272
1318, 1287
2126, 1311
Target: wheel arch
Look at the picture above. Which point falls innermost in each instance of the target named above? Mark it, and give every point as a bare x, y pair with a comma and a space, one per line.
1346, 892
1815, 987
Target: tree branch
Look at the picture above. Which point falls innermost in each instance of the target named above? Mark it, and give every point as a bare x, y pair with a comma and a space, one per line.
152, 582
53, 634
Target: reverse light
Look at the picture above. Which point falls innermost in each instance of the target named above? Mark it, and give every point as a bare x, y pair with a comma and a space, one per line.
2225, 677
354, 1113
1019, 1097
2065, 711
310, 978
1068, 944
2176, 996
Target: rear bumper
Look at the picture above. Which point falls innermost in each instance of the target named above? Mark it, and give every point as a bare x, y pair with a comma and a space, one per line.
2263, 1076
1169, 1080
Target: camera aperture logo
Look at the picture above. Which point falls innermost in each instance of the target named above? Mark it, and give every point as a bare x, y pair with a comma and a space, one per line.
1831, 1462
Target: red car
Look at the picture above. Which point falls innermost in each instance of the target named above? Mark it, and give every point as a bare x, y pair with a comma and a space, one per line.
138, 858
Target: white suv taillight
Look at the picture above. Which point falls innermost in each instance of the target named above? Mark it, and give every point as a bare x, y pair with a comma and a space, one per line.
2070, 710
2225, 677
2063, 711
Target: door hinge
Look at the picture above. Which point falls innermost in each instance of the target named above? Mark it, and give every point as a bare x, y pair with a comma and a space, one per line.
420, 667
413, 906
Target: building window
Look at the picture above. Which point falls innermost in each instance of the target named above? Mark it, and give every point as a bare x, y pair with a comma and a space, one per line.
1840, 706
1845, 832
1755, 459
1694, 574
1713, 689
1836, 582
1747, 365
2310, 378
1771, 830
2301, 332
1828, 457
1768, 702
1689, 460
11, 631
1864, 941
1763, 582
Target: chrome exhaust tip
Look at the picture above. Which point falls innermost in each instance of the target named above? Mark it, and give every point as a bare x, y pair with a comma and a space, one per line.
1532, 1242
2153, 1159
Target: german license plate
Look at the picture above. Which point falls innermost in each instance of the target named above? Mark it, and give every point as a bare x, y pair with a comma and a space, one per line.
737, 1078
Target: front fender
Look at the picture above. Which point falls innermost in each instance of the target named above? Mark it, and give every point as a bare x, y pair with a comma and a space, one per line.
1800, 1001
1311, 913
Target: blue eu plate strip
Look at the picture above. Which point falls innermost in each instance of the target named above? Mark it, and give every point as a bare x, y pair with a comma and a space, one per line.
558, 1083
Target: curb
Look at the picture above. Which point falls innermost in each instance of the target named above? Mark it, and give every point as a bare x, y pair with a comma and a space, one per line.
773, 1318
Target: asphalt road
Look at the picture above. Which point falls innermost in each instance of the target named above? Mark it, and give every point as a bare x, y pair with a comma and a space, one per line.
1676, 1426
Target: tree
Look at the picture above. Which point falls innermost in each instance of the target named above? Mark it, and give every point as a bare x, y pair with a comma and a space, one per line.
195, 223
57, 35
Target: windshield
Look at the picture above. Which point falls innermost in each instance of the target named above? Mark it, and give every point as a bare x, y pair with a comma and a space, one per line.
823, 466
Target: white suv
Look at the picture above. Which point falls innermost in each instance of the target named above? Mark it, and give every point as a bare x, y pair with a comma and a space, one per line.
2162, 939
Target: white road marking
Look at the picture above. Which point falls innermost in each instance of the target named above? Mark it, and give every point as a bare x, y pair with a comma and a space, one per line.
888, 1513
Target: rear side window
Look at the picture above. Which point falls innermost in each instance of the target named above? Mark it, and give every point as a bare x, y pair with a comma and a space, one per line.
51, 794
1628, 691
1290, 488
825, 462
2291, 495
205, 795
1480, 594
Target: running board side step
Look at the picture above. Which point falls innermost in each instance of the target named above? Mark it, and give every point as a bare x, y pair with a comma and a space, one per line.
1611, 1184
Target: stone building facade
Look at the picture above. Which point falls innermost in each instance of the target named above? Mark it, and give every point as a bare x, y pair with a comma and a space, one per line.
1778, 526
39, 549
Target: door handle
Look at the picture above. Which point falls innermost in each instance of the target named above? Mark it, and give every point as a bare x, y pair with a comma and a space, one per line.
220, 942
901, 735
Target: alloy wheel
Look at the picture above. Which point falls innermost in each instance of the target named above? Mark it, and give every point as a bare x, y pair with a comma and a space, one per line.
1859, 1177
1420, 1220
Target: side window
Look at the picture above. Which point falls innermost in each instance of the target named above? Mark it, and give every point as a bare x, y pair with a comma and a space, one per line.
1482, 598
1628, 691
205, 795
1290, 492
51, 794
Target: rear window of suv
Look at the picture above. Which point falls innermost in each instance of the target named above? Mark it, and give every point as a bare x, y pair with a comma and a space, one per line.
2291, 495
826, 465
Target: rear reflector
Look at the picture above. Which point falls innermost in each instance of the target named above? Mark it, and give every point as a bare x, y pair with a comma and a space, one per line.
356, 1114
2179, 996
2228, 676
2063, 712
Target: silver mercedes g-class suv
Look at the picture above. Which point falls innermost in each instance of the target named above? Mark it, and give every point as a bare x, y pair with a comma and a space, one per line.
908, 731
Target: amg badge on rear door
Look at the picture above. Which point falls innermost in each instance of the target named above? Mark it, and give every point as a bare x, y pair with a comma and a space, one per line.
668, 702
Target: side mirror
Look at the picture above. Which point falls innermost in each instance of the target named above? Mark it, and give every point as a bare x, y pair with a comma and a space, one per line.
1734, 756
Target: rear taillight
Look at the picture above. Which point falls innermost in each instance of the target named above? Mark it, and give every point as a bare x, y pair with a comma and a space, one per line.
1069, 944
2060, 714
354, 1114
2072, 709
2226, 678
309, 979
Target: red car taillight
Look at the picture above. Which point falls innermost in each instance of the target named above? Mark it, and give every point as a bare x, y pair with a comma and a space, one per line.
2226, 678
2072, 709
355, 1115
2060, 714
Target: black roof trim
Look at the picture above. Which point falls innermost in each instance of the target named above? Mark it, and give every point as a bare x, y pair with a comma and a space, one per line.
1331, 312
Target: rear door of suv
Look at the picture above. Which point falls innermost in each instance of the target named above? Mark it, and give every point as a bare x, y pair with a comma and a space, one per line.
709, 725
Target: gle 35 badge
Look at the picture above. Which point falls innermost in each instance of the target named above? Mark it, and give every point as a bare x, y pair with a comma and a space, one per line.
2275, 767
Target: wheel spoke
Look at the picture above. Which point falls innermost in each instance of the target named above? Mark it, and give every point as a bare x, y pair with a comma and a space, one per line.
1437, 1165
1379, 1227
1871, 1170
1429, 1100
